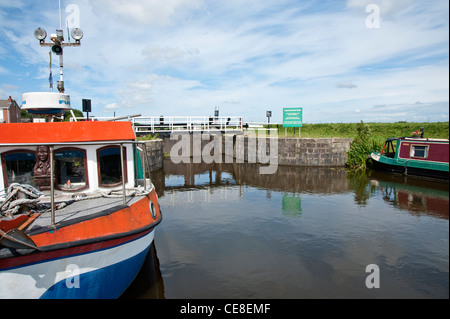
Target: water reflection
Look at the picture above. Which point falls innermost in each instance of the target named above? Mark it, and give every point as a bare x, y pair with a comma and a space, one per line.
149, 282
411, 194
416, 196
292, 205
229, 232
291, 179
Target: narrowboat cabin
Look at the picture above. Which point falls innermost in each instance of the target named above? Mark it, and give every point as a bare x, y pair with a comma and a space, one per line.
416, 156
77, 211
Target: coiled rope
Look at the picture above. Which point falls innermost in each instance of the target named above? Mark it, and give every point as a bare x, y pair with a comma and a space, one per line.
18, 196
29, 198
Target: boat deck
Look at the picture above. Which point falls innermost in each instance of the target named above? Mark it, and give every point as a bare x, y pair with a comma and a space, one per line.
78, 208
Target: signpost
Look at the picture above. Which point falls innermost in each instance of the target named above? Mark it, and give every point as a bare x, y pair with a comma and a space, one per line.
293, 117
87, 107
268, 115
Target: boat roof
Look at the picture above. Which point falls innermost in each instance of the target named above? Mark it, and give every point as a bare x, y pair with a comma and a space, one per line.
65, 132
422, 139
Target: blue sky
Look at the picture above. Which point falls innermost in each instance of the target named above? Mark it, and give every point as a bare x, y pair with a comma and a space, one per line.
185, 57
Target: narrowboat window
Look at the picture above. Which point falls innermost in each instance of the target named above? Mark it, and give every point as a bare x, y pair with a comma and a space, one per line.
419, 151
18, 167
109, 168
71, 169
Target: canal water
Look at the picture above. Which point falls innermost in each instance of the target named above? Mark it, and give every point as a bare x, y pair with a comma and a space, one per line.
229, 232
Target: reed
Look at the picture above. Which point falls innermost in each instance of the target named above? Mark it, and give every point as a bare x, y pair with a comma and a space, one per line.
361, 147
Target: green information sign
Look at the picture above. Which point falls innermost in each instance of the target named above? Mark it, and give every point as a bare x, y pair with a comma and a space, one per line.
293, 117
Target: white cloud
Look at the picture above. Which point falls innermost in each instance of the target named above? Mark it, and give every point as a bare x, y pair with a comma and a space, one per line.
141, 94
9, 87
169, 54
143, 12
112, 106
346, 84
388, 8
231, 53
188, 56
7, 90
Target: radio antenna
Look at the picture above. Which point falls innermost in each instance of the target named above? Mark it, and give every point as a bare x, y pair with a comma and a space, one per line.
60, 22
68, 34
57, 43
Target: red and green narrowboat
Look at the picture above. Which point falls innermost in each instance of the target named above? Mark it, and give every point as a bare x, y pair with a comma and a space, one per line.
418, 156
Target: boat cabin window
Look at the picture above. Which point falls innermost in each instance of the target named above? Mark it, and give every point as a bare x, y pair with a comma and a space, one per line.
419, 151
18, 167
109, 168
71, 169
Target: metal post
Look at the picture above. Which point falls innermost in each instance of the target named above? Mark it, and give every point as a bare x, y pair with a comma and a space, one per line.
145, 166
60, 22
135, 155
123, 175
52, 187
60, 83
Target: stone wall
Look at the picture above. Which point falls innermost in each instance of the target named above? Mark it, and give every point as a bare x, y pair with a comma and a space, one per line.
313, 151
290, 151
296, 151
155, 154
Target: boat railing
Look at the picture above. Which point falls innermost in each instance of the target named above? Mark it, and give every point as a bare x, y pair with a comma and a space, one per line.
146, 171
169, 124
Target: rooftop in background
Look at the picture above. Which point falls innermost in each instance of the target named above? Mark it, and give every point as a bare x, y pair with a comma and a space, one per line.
9, 111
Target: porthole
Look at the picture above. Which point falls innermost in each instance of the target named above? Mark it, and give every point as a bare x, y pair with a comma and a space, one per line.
152, 210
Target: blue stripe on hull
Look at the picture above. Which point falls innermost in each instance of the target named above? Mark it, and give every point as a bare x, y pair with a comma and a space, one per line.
105, 283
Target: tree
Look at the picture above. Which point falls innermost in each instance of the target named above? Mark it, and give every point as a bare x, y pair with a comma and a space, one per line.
25, 115
68, 114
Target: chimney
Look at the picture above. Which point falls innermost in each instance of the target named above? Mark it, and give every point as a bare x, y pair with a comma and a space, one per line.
10, 99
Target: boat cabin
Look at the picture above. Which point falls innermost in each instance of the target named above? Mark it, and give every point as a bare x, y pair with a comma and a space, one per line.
413, 156
86, 156
421, 149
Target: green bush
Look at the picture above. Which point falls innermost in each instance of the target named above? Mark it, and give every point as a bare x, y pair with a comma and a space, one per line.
148, 137
361, 147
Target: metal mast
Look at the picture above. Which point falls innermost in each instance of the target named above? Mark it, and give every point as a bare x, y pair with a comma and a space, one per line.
57, 43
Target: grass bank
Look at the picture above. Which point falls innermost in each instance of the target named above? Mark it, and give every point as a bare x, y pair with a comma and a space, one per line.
367, 137
380, 131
